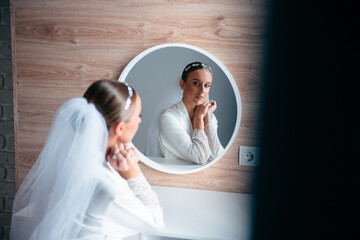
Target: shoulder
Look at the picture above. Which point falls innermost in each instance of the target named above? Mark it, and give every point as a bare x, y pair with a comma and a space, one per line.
173, 111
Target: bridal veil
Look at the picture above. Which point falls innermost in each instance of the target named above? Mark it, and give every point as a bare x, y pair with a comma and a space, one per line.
54, 196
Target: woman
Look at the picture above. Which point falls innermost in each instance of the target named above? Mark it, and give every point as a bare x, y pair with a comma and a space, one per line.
188, 130
86, 183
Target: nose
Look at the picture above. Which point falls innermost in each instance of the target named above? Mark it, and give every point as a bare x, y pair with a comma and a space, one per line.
202, 88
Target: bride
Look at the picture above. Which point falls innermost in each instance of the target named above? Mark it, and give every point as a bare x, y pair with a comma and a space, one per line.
86, 182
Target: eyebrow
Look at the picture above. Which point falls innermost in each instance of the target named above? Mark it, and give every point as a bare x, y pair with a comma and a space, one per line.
198, 80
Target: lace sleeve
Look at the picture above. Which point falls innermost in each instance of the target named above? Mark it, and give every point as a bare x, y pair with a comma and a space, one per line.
142, 190
135, 206
213, 139
200, 143
175, 138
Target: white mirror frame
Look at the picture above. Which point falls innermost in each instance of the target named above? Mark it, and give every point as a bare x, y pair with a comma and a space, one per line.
186, 168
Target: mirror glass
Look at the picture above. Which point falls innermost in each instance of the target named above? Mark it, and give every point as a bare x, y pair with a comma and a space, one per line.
155, 74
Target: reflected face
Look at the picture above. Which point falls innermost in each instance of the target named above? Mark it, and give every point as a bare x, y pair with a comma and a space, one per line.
133, 124
197, 86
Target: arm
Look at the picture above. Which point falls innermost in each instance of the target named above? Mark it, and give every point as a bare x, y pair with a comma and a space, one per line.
211, 133
140, 203
210, 128
176, 140
135, 207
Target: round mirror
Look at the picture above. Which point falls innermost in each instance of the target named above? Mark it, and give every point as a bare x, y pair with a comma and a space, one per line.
155, 74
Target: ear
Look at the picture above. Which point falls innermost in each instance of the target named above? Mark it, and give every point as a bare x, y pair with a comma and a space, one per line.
182, 84
119, 129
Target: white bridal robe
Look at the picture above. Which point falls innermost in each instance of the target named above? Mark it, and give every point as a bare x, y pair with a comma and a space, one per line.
178, 140
121, 208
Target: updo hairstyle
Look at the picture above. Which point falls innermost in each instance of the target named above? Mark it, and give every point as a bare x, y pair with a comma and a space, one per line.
114, 100
192, 67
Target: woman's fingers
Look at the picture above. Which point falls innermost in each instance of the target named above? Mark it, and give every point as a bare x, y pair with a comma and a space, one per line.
122, 146
212, 106
205, 107
209, 104
114, 154
124, 158
113, 158
202, 108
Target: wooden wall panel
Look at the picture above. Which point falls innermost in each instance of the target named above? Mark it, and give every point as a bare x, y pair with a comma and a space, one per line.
61, 47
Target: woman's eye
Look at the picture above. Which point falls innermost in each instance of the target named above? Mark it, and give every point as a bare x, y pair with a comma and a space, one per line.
207, 85
195, 83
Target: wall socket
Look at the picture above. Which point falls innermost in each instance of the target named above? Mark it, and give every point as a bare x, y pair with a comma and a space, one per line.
249, 156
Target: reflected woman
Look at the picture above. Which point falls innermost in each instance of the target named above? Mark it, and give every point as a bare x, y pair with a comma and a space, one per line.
188, 130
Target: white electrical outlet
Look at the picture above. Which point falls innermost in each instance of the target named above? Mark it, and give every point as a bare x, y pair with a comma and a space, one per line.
249, 156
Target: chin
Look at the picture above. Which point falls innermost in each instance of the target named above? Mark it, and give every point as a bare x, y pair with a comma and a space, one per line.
200, 101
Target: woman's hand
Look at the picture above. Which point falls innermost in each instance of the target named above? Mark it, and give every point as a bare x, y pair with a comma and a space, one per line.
211, 109
200, 113
125, 160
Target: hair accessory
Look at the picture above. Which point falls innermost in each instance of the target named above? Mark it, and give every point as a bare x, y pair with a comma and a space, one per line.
128, 100
197, 64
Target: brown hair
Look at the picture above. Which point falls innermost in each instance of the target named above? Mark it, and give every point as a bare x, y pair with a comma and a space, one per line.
192, 67
109, 98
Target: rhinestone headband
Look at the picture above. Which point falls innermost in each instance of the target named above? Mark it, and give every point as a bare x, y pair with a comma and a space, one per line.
128, 100
197, 64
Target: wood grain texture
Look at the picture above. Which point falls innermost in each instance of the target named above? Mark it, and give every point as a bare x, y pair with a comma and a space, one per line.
61, 47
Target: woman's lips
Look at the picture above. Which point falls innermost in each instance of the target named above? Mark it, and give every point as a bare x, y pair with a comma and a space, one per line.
199, 97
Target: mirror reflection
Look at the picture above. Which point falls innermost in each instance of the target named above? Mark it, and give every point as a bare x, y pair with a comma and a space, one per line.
191, 107
188, 130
